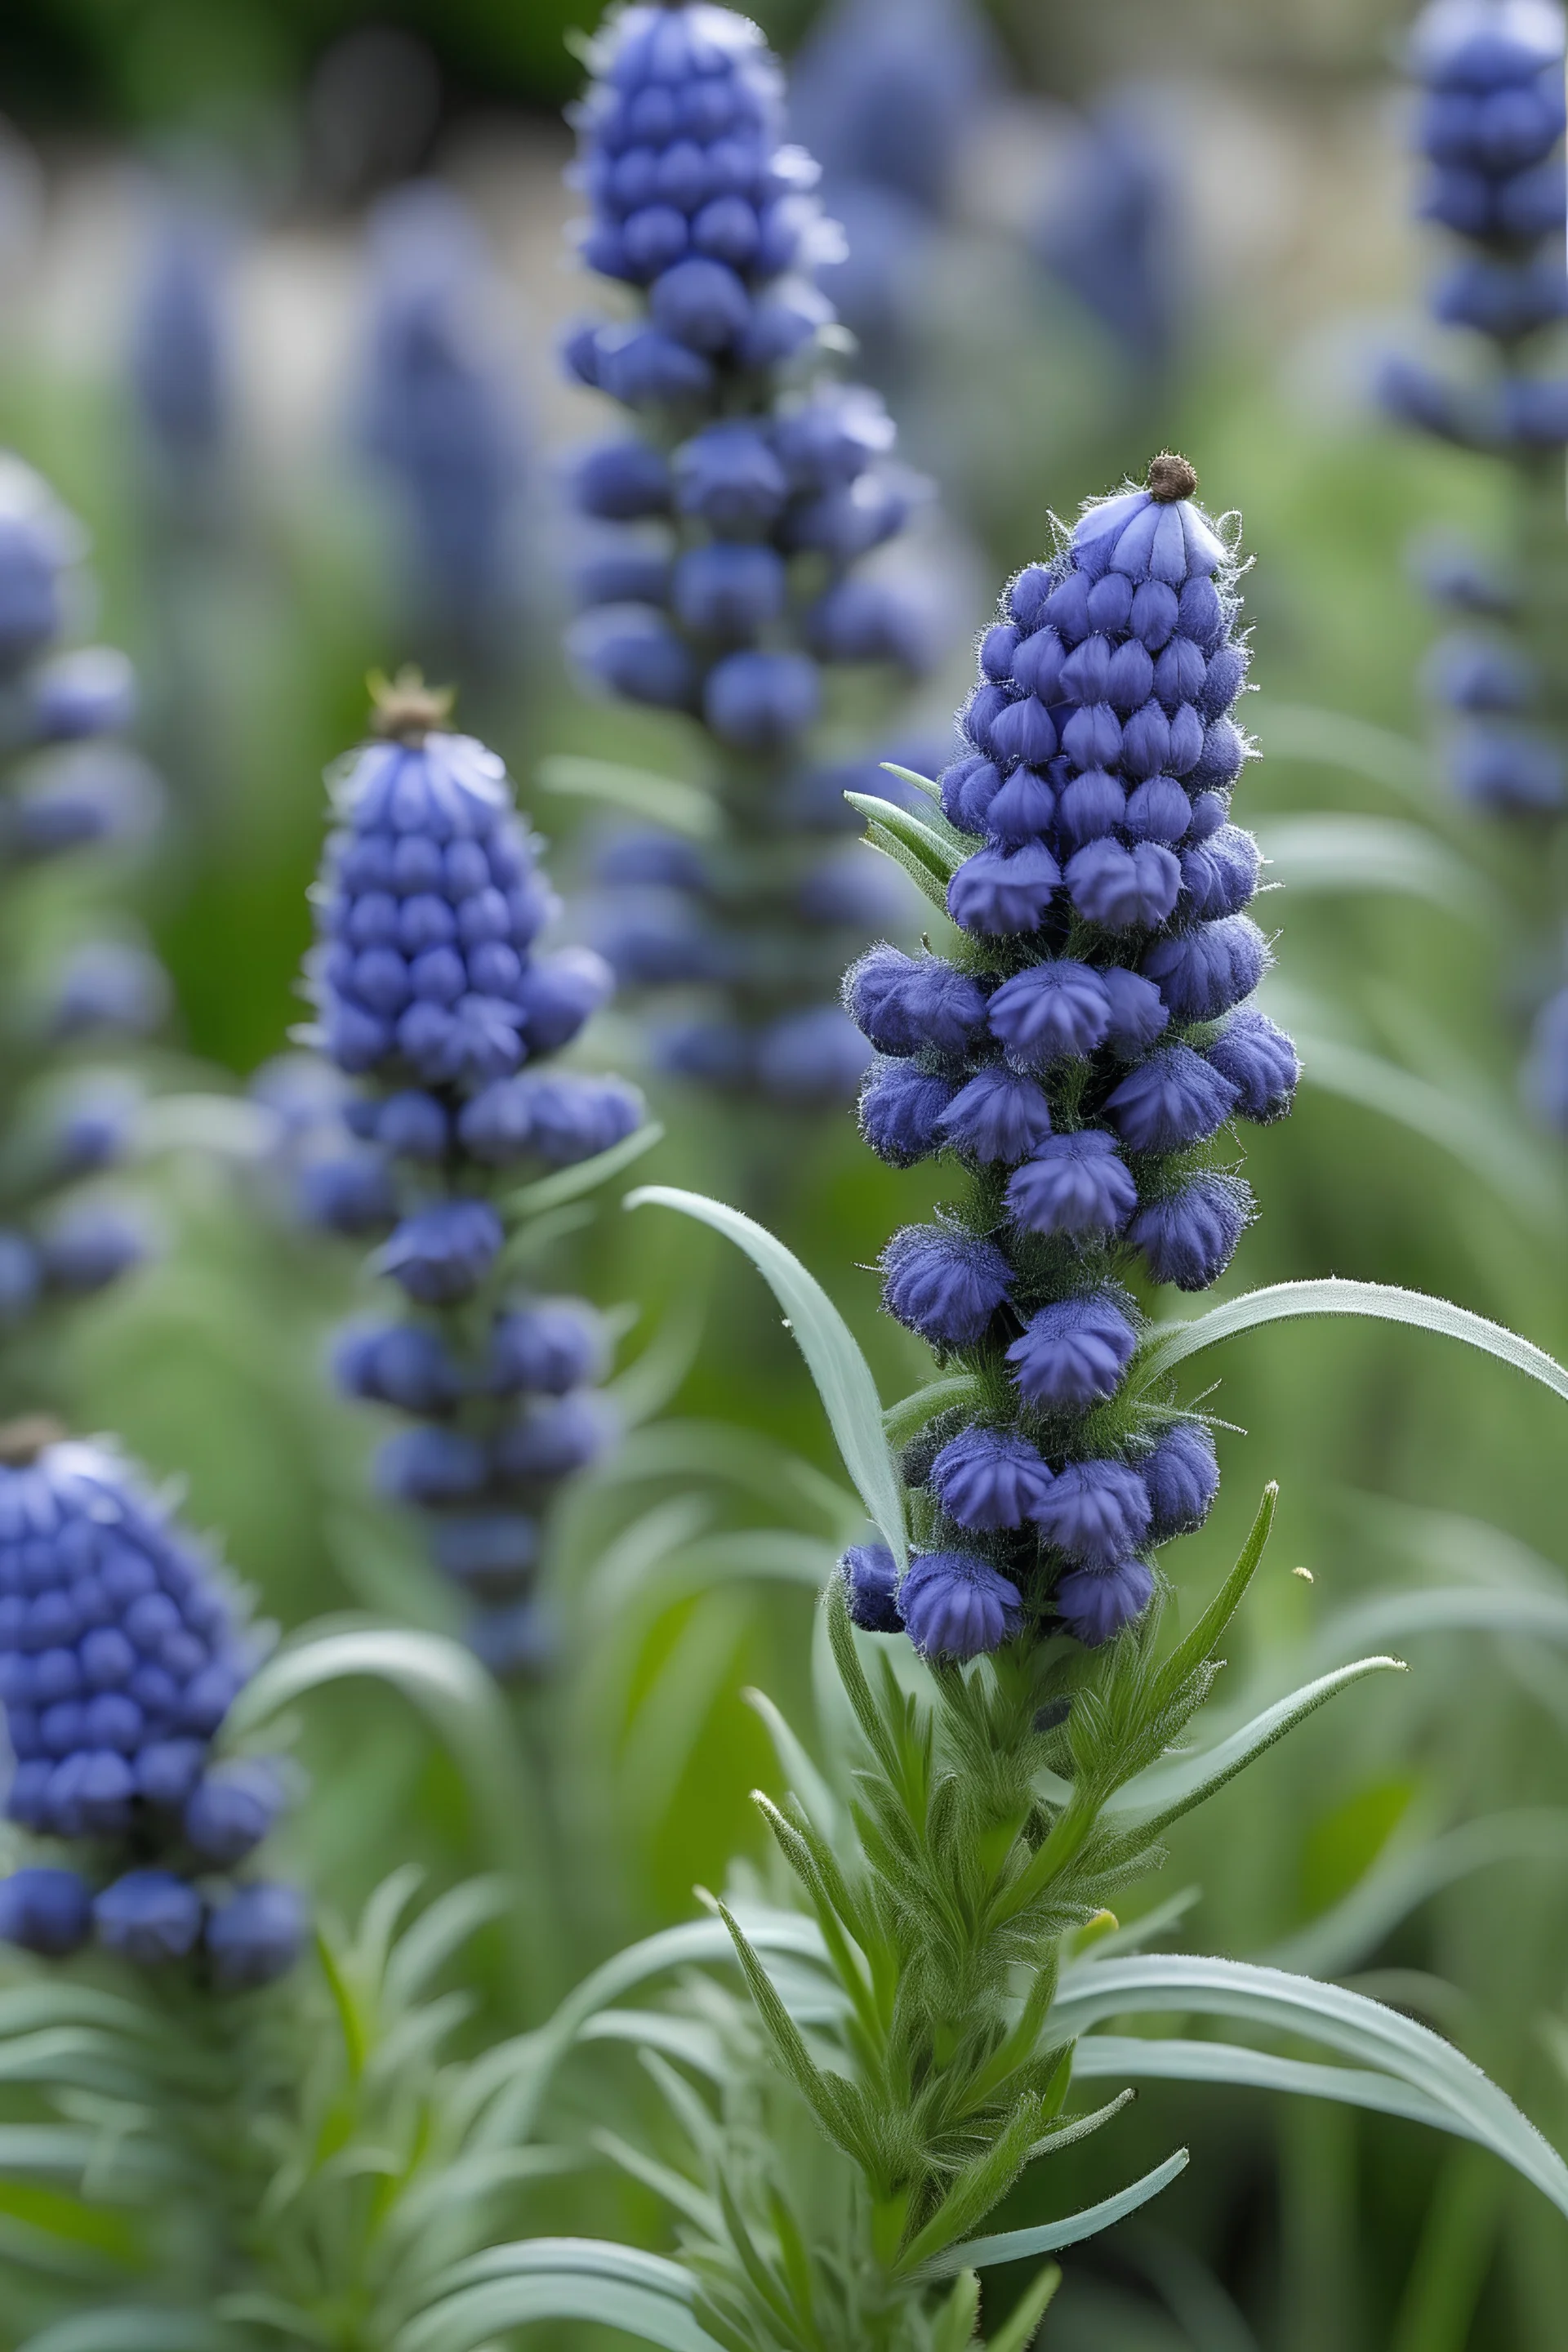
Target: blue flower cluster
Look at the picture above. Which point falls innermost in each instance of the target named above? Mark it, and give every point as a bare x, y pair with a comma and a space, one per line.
1489, 130
1108, 234
437, 417
733, 526
179, 358
121, 1654
885, 93
429, 984
68, 787
1077, 1054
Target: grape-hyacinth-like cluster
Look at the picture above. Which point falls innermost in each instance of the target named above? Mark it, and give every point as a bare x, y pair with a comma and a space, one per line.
433, 993
66, 787
1077, 1055
730, 573
1490, 131
121, 1649
436, 416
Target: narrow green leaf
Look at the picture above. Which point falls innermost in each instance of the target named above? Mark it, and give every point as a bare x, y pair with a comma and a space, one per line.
133, 2329
938, 845
476, 2315
1075, 2128
980, 2184
957, 2319
842, 1375
800, 1773
909, 861
910, 1415
1337, 852
438, 1932
664, 800
827, 2096
567, 1183
1329, 2014
1461, 1119
1340, 1939
1331, 739
1175, 1789
447, 1683
1016, 2246
929, 785
1114, 2056
1199, 1645
1020, 2327
557, 2278
1172, 1343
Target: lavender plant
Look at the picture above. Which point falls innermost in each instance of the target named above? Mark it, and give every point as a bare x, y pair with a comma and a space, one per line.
193, 2106
913, 2030
1488, 132
430, 987
745, 502
121, 1652
68, 787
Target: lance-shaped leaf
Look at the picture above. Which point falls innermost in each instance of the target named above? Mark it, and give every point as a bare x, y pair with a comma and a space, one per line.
559, 2278
1018, 2330
1017, 2245
134, 2328
1176, 1789
939, 845
1339, 2019
1172, 1343
1114, 2056
842, 1375
584, 1175
662, 799
981, 2183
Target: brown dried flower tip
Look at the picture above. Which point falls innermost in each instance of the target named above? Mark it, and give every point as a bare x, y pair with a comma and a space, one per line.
1171, 477
404, 709
31, 1434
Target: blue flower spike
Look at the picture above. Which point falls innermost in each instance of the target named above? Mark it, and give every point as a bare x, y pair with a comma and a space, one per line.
442, 1010
1079, 1055
739, 548
121, 1651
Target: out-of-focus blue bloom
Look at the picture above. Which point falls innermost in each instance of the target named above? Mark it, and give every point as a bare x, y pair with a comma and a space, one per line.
39, 544
110, 987
1110, 233
1545, 1076
45, 1911
148, 1916
90, 1243
436, 413
256, 1935
89, 691
67, 799
442, 1254
232, 1808
757, 490
180, 337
